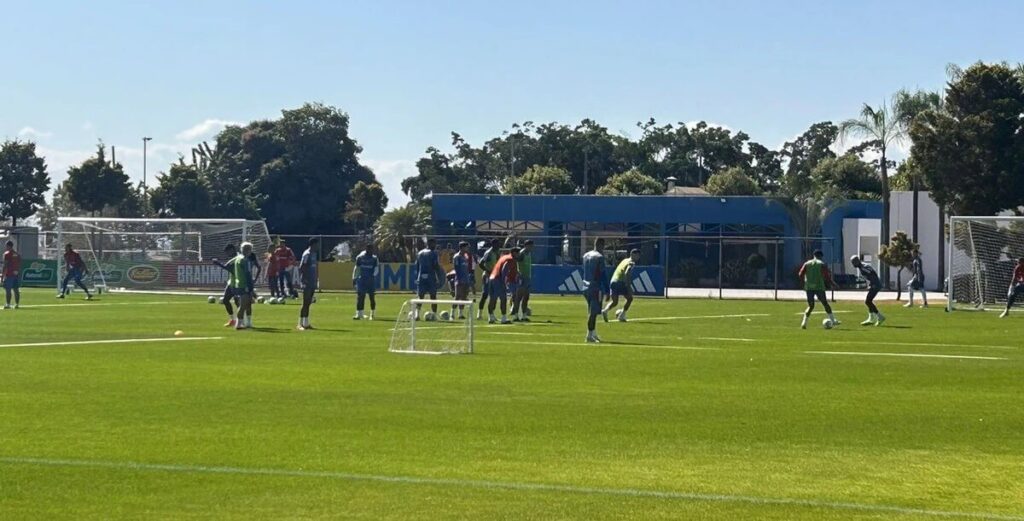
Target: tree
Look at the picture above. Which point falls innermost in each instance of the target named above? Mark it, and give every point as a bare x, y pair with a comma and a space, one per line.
631, 182
541, 180
908, 107
395, 228
971, 154
802, 155
732, 181
96, 183
23, 181
899, 252
845, 177
366, 204
182, 192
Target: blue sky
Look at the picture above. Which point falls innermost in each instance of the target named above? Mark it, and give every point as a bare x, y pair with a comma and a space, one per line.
409, 73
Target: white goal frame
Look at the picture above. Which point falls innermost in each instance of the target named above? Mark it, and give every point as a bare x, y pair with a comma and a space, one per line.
978, 270
399, 346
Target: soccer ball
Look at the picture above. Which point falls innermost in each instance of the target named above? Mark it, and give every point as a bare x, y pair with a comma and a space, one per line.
220, 300
412, 315
430, 316
260, 300
445, 315
211, 299
827, 323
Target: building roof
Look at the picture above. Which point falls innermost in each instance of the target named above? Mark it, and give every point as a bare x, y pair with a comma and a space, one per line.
687, 190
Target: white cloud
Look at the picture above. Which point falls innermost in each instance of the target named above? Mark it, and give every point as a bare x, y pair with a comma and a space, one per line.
206, 128
390, 173
30, 132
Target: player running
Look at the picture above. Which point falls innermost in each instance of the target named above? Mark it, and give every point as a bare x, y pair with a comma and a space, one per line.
1016, 287
917, 282
364, 278
10, 275
487, 262
429, 274
504, 273
874, 286
285, 260
816, 279
309, 276
622, 285
240, 284
463, 277
594, 285
75, 271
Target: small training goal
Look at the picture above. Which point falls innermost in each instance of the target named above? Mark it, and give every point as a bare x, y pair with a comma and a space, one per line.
434, 327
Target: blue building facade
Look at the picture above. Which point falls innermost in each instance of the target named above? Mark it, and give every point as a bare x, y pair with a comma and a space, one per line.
679, 233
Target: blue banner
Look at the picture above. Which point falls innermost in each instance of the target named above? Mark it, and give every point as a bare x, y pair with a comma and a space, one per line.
568, 280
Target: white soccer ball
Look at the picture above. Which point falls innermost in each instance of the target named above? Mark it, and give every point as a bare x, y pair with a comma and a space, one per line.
445, 315
412, 315
282, 301
260, 300
211, 299
827, 323
429, 316
220, 300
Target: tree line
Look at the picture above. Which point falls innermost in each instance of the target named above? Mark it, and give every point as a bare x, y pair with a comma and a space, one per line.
301, 172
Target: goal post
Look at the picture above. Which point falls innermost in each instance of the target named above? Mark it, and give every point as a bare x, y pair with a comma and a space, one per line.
419, 330
982, 254
154, 254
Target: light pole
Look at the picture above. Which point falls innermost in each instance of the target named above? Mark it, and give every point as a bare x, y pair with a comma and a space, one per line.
145, 185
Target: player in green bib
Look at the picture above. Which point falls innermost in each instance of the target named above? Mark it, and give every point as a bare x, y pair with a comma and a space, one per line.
622, 285
486, 264
816, 279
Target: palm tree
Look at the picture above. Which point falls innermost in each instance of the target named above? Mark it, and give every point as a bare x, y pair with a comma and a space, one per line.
395, 228
884, 127
907, 107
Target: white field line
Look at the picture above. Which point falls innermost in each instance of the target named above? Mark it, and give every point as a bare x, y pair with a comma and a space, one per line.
117, 341
905, 355
100, 304
922, 344
697, 317
519, 486
723, 339
822, 312
582, 343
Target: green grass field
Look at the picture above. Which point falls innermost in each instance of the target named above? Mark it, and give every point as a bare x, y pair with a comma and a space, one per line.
683, 413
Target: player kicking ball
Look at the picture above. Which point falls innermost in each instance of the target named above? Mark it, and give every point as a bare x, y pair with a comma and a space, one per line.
816, 279
308, 275
10, 275
594, 285
364, 278
621, 286
1016, 287
874, 286
75, 271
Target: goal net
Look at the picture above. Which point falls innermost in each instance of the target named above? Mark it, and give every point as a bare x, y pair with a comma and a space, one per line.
155, 254
419, 329
983, 252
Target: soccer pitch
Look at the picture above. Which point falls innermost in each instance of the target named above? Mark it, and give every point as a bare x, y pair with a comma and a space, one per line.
694, 410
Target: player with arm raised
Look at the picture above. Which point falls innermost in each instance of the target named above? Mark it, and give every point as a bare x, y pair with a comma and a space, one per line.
505, 270
1016, 287
594, 285
76, 269
463, 277
874, 286
917, 282
816, 279
487, 261
10, 275
621, 285
364, 277
308, 275
429, 274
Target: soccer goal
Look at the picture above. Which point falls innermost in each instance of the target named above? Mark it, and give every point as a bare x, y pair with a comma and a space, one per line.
155, 254
419, 330
982, 255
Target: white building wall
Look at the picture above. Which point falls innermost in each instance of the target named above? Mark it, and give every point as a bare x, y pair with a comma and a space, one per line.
930, 231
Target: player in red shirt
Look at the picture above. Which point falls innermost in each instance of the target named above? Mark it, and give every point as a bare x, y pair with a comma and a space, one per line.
285, 261
1016, 287
504, 274
76, 269
272, 274
10, 275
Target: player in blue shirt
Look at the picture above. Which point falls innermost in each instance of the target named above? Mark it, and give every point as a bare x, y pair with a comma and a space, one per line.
595, 284
486, 264
916, 283
429, 274
309, 275
364, 278
463, 277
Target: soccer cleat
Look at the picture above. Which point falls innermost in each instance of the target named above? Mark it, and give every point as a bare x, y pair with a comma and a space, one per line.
357, 316
60, 296
597, 339
591, 340
231, 323
88, 296
371, 315
604, 315
880, 320
867, 322
1005, 314
908, 305
505, 320
491, 320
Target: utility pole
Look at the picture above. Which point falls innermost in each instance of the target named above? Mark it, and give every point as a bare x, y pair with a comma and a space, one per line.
145, 185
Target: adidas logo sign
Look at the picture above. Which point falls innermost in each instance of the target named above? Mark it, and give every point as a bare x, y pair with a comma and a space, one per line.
642, 283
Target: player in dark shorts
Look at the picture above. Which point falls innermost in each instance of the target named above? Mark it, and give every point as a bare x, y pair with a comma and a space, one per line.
816, 279
874, 286
1016, 287
917, 282
486, 265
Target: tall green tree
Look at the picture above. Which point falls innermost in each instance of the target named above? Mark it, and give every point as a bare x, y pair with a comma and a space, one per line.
846, 177
541, 180
97, 183
732, 181
631, 182
396, 228
366, 204
908, 106
23, 181
971, 154
803, 154
182, 192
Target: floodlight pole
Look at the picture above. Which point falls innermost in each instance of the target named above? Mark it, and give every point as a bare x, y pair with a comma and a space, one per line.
145, 185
